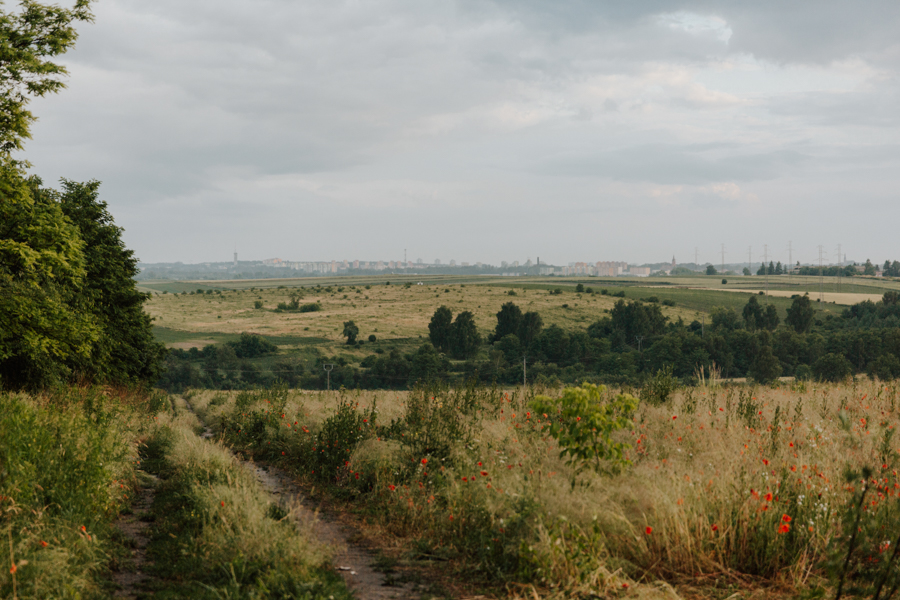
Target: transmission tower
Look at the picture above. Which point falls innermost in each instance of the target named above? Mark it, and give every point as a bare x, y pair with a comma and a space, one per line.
696, 257
723, 259
750, 259
766, 268
790, 263
840, 266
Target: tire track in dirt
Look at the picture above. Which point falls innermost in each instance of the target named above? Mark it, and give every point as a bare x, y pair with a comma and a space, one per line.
131, 581
352, 562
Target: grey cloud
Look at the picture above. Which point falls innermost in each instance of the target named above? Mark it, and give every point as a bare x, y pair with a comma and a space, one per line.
415, 111
673, 165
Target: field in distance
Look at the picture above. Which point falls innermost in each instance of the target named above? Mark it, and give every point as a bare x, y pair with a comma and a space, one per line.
397, 309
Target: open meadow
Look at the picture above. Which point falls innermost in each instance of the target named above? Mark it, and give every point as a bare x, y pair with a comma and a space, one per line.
396, 310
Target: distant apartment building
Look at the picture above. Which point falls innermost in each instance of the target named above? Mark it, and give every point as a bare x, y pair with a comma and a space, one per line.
610, 268
639, 271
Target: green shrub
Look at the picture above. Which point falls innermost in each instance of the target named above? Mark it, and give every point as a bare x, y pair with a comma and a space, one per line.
583, 422
832, 367
310, 307
659, 387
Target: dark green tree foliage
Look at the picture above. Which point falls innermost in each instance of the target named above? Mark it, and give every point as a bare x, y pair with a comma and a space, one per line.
832, 367
509, 321
251, 345
753, 314
765, 367
125, 350
464, 337
634, 319
800, 315
426, 365
439, 328
531, 327
351, 331
42, 267
711, 270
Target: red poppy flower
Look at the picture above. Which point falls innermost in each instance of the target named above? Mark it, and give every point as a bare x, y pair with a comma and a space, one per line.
392, 487
785, 519
769, 497
648, 530
784, 528
424, 461
484, 474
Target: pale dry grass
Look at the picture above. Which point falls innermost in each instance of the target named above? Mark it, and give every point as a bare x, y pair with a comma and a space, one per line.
388, 312
703, 465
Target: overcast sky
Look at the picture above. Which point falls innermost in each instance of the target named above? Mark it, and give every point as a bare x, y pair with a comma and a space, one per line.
482, 130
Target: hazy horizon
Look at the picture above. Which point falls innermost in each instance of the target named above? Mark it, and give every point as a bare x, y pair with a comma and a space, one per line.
484, 131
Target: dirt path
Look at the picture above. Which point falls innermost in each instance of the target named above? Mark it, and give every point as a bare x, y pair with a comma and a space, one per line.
131, 581
352, 561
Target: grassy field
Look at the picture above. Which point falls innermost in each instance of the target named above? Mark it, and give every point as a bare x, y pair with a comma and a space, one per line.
398, 315
731, 491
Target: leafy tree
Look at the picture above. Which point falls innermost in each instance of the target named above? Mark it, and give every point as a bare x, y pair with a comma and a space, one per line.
801, 314
42, 267
762, 269
464, 336
31, 37
724, 319
509, 321
832, 367
753, 314
126, 350
637, 319
710, 270
511, 348
439, 328
288, 372
426, 365
251, 345
766, 366
869, 268
770, 318
579, 288
886, 367
746, 272
531, 328
350, 331
778, 270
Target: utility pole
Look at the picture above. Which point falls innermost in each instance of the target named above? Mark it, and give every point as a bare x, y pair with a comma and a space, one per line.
821, 275
750, 259
766, 268
723, 259
328, 369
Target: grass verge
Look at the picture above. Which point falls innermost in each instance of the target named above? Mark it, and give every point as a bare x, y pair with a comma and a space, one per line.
217, 534
67, 468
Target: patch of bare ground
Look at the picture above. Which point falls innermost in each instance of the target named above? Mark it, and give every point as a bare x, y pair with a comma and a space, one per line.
131, 578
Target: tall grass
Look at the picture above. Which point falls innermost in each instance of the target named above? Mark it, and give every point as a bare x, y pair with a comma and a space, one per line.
67, 462
218, 534
740, 484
